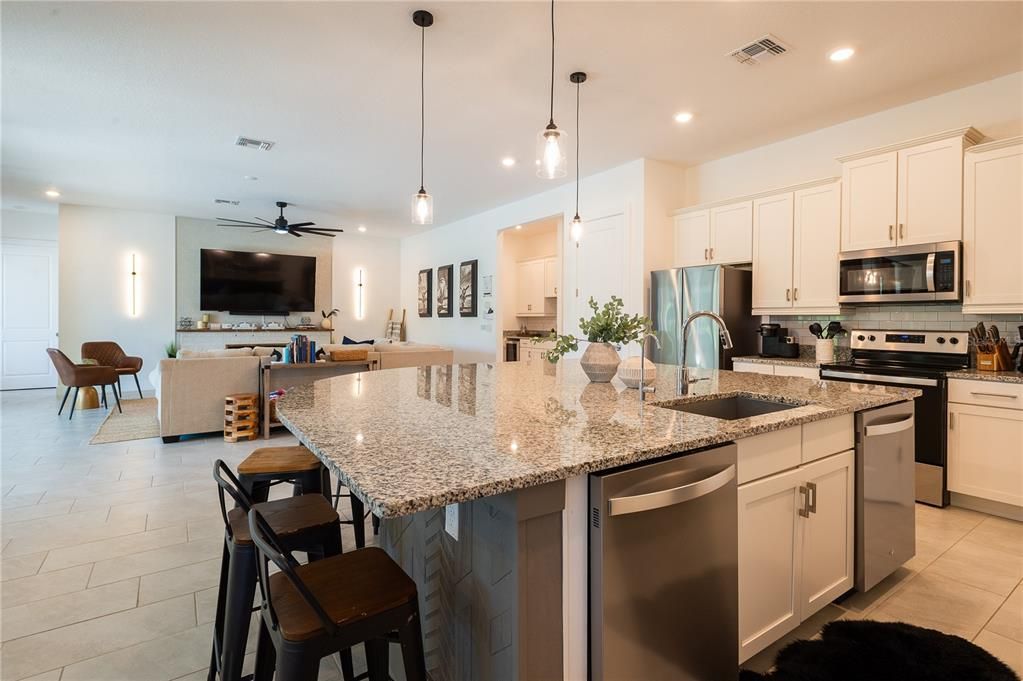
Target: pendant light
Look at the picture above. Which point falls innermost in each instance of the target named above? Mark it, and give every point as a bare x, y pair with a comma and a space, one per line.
550, 143
576, 230
422, 203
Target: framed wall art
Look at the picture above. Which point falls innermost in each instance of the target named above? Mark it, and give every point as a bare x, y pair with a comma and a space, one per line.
467, 285
425, 293
445, 284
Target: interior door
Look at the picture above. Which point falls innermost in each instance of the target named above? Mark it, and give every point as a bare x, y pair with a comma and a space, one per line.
817, 224
869, 209
28, 272
772, 252
827, 531
600, 266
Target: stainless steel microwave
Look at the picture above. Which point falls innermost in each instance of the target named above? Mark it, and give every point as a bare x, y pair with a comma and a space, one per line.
904, 274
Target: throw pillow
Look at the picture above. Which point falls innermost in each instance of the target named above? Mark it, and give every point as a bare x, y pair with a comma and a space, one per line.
348, 341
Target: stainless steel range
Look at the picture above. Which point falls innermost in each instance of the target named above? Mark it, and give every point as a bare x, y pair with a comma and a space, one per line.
918, 359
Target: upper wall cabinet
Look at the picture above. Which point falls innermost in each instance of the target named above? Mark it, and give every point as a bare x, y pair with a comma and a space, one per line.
795, 250
993, 228
719, 235
905, 194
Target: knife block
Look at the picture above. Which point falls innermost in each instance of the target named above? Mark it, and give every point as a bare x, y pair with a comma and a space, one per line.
999, 360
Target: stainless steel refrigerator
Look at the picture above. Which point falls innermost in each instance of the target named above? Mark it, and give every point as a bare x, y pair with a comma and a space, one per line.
677, 293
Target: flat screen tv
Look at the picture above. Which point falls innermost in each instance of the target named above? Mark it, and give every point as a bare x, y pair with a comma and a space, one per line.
241, 282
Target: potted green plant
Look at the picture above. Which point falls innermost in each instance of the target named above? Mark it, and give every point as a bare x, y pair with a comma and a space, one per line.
607, 330
171, 349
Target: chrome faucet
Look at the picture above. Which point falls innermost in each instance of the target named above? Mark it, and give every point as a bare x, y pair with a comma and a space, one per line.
684, 379
643, 387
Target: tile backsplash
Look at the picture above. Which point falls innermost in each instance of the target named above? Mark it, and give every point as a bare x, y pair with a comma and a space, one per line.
538, 323
931, 317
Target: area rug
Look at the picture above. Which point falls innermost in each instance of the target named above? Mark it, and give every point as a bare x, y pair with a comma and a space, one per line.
137, 422
883, 651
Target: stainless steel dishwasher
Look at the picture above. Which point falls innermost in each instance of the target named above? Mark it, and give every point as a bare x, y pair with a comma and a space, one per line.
664, 569
885, 492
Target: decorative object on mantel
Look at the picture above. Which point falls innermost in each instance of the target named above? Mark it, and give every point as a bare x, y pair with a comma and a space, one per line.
445, 275
424, 293
328, 317
607, 328
185, 323
629, 372
467, 280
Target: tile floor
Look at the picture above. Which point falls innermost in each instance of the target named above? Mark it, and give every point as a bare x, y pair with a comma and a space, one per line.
110, 556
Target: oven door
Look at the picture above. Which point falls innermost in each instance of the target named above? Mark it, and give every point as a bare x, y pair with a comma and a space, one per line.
930, 414
920, 273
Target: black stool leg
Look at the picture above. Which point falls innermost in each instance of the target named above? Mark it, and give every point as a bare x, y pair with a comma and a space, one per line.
411, 637
117, 398
376, 524
66, 393
376, 659
104, 396
218, 621
266, 655
358, 521
347, 668
241, 588
297, 664
325, 483
74, 401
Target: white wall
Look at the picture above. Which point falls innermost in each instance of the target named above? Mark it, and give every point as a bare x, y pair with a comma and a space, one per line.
994, 107
618, 191
194, 234
378, 257
23, 224
95, 248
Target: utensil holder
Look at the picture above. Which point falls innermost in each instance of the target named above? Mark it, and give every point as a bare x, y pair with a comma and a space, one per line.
825, 350
999, 360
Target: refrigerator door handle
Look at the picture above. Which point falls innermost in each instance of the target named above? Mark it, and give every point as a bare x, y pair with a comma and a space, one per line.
671, 496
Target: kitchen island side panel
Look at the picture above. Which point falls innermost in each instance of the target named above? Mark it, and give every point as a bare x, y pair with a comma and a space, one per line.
491, 600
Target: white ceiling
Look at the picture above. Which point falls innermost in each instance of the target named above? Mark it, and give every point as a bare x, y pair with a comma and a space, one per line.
137, 104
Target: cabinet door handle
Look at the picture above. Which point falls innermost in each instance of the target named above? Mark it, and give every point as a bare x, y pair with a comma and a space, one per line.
952, 421
967, 283
788, 294
795, 293
706, 254
1008, 397
555, 290
804, 512
902, 231
891, 233
712, 254
811, 497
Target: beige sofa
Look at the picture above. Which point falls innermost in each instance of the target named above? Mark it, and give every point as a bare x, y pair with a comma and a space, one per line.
190, 391
398, 355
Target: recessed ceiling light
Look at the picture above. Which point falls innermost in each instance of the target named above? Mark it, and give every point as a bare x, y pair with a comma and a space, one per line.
683, 117
53, 193
251, 178
841, 54
507, 161
518, 226
362, 228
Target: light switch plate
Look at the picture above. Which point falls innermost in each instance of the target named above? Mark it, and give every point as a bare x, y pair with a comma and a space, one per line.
451, 520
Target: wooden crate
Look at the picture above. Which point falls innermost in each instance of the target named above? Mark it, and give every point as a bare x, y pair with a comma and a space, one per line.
241, 417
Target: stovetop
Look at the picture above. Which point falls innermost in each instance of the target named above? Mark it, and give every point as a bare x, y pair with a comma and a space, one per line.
906, 352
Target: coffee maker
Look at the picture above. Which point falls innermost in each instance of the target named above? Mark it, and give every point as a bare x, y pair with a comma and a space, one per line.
775, 342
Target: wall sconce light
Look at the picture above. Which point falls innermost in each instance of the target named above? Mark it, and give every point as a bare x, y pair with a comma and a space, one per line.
359, 285
134, 293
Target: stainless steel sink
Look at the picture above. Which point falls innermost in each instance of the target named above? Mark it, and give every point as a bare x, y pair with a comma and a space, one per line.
729, 408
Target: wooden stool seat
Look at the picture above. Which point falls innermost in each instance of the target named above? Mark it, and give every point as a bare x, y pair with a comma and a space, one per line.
288, 516
268, 460
350, 587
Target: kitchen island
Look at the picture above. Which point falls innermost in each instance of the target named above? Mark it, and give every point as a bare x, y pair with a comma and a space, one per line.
479, 472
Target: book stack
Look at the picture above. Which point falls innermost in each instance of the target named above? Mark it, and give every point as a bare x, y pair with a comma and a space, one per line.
303, 350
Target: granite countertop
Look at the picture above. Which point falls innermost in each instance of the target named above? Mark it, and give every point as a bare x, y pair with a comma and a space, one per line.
997, 376
407, 440
801, 361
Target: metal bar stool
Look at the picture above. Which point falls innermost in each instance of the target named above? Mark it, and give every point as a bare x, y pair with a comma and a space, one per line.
269, 466
303, 523
312, 611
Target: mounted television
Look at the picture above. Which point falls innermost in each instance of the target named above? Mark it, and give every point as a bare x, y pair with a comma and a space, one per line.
241, 282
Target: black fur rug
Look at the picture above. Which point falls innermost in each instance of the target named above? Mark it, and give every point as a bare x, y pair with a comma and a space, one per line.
883, 651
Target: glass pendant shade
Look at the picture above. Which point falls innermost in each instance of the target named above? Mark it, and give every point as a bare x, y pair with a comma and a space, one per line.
422, 208
576, 229
550, 153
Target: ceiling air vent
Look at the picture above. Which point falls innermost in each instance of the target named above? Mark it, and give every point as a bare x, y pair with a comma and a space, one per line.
759, 50
249, 142
226, 202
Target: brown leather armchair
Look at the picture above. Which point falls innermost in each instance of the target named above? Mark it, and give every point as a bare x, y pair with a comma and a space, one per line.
81, 375
110, 354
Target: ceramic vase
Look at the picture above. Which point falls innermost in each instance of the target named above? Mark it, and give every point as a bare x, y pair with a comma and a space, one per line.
825, 350
629, 372
600, 362
327, 323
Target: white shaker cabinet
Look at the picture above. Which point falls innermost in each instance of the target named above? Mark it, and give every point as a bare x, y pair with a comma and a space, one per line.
993, 228
772, 252
551, 277
530, 288
815, 246
828, 546
905, 194
692, 238
731, 233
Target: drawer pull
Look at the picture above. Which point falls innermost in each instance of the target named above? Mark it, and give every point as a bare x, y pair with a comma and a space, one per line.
1008, 397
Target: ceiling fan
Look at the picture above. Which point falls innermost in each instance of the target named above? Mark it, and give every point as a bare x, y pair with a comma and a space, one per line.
281, 225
